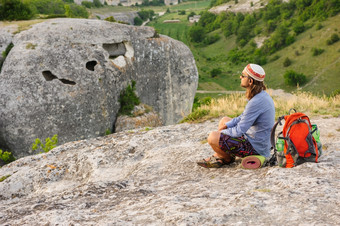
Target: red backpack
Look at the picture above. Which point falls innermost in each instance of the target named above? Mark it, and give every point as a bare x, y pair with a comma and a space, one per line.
299, 143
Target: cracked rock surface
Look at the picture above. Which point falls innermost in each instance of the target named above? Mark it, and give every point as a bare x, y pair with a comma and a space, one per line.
150, 177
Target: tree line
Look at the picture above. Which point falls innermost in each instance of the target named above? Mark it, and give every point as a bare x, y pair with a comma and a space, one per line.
28, 9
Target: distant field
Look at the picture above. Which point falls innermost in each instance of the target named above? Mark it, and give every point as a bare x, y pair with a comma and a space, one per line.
192, 6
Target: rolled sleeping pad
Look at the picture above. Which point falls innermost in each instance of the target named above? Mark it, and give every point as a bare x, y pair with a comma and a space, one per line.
253, 162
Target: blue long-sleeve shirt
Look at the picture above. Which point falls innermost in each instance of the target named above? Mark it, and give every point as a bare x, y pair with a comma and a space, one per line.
255, 123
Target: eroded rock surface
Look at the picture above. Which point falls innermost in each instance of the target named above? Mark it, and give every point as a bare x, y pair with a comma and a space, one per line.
64, 77
151, 178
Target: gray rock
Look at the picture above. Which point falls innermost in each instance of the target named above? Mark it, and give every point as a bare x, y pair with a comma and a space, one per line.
151, 178
142, 116
127, 17
64, 77
5, 40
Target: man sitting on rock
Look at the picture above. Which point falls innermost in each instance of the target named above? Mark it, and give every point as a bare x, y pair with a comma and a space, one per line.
249, 133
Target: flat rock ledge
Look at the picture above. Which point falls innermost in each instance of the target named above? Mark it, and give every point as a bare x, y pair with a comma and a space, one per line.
150, 177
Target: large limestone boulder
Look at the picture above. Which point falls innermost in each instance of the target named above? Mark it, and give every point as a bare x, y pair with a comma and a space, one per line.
64, 77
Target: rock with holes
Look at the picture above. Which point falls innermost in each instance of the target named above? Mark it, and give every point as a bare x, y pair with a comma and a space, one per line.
64, 77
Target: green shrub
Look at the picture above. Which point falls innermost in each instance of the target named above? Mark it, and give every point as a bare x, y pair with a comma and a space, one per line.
287, 62
137, 21
4, 178
15, 10
128, 99
196, 33
110, 19
195, 115
181, 12
215, 72
210, 39
6, 156
5, 53
317, 51
318, 26
97, 3
298, 27
293, 78
333, 39
87, 4
75, 11
50, 143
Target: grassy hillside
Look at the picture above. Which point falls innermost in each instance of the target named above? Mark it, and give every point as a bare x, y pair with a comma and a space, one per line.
322, 71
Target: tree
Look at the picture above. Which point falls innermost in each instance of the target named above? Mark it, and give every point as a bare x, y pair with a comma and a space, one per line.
97, 3
137, 21
293, 78
196, 33
298, 27
15, 10
87, 4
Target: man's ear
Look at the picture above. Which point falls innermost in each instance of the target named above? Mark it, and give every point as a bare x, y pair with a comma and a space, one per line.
251, 81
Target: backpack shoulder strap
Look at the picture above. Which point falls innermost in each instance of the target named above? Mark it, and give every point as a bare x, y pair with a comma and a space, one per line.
272, 160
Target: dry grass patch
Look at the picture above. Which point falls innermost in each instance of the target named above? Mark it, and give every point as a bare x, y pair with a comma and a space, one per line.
233, 105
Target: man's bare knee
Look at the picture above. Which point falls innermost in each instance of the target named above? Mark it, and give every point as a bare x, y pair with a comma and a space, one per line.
214, 138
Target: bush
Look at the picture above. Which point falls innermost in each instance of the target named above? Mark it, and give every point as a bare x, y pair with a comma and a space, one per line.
181, 12
318, 26
76, 11
137, 21
298, 27
195, 115
5, 53
317, 51
333, 39
215, 72
87, 4
287, 62
6, 157
293, 78
15, 10
128, 99
196, 33
211, 39
146, 14
198, 102
48, 7
111, 19
50, 143
97, 3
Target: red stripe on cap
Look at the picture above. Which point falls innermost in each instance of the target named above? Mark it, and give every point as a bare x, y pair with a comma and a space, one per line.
253, 72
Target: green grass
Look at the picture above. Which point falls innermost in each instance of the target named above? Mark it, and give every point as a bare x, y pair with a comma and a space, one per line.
324, 68
176, 31
195, 6
322, 71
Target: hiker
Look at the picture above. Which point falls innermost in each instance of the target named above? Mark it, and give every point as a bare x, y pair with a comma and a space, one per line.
249, 133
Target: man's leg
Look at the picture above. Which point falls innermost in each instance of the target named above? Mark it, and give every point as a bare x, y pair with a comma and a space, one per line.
214, 140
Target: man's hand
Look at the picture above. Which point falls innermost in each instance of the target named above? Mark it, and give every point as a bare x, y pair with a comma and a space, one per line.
222, 127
